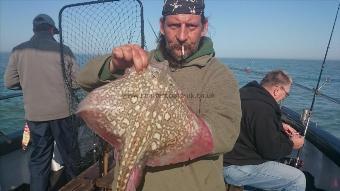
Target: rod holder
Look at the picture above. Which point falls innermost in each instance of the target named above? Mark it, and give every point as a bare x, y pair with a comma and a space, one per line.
304, 116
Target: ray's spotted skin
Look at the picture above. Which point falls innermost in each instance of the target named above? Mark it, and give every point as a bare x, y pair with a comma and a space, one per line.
145, 117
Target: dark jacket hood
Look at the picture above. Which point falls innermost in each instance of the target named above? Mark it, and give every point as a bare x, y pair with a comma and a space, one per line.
253, 91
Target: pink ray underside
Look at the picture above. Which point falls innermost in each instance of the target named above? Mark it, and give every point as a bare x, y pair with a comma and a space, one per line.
95, 121
135, 178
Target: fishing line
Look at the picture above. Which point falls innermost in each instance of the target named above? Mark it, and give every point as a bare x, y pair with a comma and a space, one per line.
295, 84
324, 61
153, 30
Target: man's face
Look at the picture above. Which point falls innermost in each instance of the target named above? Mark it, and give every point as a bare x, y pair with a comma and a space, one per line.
281, 92
182, 30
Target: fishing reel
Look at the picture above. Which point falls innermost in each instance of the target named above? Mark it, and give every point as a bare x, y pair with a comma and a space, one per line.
297, 162
294, 162
305, 116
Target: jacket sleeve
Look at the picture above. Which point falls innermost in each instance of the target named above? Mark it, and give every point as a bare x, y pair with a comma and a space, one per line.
270, 140
11, 77
96, 73
222, 108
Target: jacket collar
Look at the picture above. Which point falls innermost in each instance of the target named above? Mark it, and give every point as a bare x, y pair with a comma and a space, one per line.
205, 50
42, 35
254, 91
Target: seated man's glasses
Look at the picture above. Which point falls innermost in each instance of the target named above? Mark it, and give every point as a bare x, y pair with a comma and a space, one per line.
286, 93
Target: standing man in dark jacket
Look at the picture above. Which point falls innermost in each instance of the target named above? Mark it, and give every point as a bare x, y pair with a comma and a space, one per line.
264, 139
35, 67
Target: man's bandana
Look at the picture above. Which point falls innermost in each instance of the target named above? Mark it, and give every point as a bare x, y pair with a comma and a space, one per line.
175, 7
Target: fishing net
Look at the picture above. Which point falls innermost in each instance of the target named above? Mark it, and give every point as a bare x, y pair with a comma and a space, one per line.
92, 29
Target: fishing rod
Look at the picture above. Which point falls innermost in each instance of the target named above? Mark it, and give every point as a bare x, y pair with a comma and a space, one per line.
307, 114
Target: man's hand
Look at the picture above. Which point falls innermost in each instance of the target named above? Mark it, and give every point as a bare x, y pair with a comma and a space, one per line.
127, 56
298, 141
290, 131
294, 136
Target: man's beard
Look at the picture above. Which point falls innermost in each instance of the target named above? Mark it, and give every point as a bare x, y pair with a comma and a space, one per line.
178, 53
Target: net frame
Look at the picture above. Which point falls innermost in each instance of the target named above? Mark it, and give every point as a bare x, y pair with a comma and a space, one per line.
74, 99
73, 93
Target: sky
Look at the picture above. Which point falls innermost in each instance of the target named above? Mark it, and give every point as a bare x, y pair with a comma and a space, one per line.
290, 29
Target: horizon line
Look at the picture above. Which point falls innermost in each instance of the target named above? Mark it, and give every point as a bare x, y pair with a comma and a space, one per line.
251, 58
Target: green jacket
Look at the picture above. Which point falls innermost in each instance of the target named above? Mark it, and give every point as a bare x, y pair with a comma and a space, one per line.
213, 94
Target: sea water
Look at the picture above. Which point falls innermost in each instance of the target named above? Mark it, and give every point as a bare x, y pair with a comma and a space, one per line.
326, 114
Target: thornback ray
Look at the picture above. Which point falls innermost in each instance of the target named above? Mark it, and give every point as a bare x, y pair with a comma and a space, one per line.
145, 117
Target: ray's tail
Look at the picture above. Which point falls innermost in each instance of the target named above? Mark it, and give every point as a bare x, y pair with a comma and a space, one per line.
131, 163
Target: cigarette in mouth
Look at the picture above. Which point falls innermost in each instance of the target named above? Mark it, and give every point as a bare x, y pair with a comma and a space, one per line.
182, 50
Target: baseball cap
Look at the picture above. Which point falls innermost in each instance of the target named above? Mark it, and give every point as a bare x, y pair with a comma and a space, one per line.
44, 19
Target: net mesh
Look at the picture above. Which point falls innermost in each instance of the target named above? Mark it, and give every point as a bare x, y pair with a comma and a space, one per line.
92, 29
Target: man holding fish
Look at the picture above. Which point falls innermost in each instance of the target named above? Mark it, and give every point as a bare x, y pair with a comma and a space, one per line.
190, 57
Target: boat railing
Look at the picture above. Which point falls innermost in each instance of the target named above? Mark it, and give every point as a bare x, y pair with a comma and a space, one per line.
12, 141
11, 95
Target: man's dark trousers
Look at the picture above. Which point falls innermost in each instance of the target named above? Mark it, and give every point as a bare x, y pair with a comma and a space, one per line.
43, 135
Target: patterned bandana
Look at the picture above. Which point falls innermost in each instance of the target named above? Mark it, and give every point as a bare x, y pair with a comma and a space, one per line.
175, 7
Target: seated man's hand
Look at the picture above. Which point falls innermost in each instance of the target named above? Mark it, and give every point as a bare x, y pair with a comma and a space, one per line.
127, 56
297, 140
290, 131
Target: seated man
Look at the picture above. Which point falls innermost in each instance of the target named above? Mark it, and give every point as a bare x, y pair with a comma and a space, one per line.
264, 139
